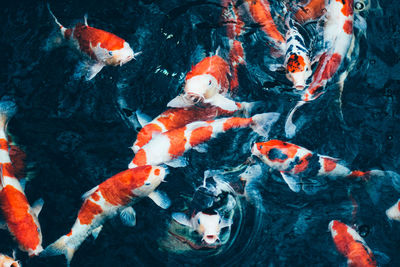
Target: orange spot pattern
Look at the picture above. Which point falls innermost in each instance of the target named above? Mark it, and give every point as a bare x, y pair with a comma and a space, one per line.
8, 170
15, 209
236, 122
261, 13
88, 37
288, 149
302, 166
347, 9
3, 144
95, 196
348, 27
69, 234
157, 172
355, 251
18, 157
329, 165
88, 211
177, 141
295, 63
214, 66
146, 133
313, 10
200, 135
117, 190
140, 158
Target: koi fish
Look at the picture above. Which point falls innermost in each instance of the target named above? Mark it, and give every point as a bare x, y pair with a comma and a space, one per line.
168, 147
296, 163
6, 261
338, 34
115, 195
178, 117
310, 11
351, 245
103, 48
260, 11
21, 219
207, 82
393, 212
207, 223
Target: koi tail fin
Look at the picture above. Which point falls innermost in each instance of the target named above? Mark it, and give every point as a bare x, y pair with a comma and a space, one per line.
61, 246
376, 179
290, 127
262, 123
7, 110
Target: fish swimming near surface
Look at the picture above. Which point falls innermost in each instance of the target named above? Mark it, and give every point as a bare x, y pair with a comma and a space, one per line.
337, 38
298, 166
20, 218
178, 117
103, 48
351, 245
168, 147
114, 196
6, 261
208, 82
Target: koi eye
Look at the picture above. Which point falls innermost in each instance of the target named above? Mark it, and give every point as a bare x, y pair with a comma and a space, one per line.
359, 6
198, 221
38, 229
147, 183
220, 220
110, 53
209, 82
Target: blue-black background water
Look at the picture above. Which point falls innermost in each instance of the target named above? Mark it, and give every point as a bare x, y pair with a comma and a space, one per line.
76, 135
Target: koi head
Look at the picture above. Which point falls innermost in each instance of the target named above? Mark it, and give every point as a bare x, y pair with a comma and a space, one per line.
201, 87
6, 261
298, 69
275, 153
153, 180
209, 224
120, 56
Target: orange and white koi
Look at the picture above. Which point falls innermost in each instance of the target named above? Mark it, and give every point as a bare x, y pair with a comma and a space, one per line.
260, 11
6, 261
296, 163
21, 219
168, 147
393, 212
351, 245
105, 201
312, 10
207, 82
178, 117
338, 35
103, 48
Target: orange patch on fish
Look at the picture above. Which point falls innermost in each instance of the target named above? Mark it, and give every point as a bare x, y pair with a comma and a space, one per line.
200, 135
347, 8
236, 122
18, 157
3, 144
287, 148
117, 190
8, 170
329, 165
95, 196
313, 10
295, 63
140, 158
348, 27
146, 133
69, 234
177, 141
302, 166
88, 211
20, 222
157, 172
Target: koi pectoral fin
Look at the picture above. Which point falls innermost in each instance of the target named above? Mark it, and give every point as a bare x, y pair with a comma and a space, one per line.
88, 70
292, 182
161, 199
181, 218
128, 216
222, 102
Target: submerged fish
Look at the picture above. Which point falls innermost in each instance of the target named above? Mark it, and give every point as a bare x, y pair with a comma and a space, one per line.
103, 48
351, 245
168, 147
114, 196
6, 261
207, 82
178, 117
21, 219
296, 163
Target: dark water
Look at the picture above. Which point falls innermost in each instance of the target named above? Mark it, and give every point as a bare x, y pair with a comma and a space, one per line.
76, 135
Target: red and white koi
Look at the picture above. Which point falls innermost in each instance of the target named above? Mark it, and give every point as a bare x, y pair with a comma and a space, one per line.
393, 212
351, 245
207, 82
312, 10
207, 223
21, 219
260, 11
168, 147
103, 48
178, 117
296, 163
6, 261
105, 201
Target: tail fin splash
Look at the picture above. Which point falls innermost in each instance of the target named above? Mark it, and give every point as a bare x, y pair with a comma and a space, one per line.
262, 122
60, 246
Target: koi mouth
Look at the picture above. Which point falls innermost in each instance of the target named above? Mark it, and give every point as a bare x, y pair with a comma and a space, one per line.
210, 239
194, 98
